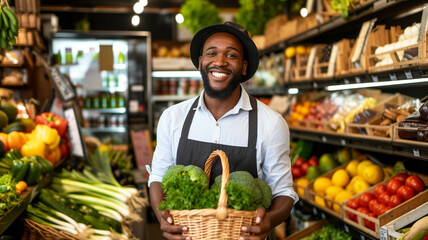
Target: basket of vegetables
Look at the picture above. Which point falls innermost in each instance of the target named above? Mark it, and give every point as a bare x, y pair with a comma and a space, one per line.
37, 231
218, 212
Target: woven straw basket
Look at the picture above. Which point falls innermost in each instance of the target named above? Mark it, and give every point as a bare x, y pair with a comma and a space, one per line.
37, 231
220, 223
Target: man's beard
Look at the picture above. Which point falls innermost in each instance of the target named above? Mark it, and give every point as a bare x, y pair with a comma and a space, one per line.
223, 93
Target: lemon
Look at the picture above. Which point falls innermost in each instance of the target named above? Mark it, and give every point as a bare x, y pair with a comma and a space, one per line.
300, 49
301, 182
340, 178
290, 52
340, 198
363, 165
360, 185
331, 192
321, 184
373, 174
351, 168
319, 200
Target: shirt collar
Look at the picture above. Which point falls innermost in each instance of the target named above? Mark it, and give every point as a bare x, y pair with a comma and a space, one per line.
243, 103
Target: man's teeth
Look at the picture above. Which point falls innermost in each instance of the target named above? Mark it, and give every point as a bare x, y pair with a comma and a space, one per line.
217, 74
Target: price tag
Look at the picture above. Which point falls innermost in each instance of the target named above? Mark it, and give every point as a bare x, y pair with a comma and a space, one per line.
324, 139
383, 234
357, 79
408, 74
346, 81
315, 84
375, 78
346, 228
343, 142
392, 77
362, 237
416, 152
323, 216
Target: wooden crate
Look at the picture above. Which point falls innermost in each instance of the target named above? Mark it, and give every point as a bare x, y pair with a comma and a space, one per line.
417, 50
387, 217
373, 128
301, 188
272, 29
298, 71
320, 69
342, 62
397, 139
389, 230
308, 231
288, 29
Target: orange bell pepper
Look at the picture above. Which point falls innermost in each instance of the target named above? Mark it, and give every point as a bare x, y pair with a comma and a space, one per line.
4, 139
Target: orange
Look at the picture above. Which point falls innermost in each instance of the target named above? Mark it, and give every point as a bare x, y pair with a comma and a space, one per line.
3, 138
16, 139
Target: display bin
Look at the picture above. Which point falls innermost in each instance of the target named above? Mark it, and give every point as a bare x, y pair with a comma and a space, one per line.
272, 29
416, 52
413, 130
321, 68
298, 189
328, 202
389, 230
299, 69
390, 215
375, 128
308, 231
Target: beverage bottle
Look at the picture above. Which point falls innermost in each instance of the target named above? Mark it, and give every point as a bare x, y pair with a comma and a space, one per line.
58, 58
96, 102
68, 56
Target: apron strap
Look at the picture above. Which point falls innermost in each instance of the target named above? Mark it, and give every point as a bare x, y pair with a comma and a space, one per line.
252, 123
188, 121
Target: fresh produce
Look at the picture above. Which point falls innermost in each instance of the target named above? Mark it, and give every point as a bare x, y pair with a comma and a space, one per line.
53, 121
418, 231
121, 165
302, 150
329, 232
9, 27
8, 194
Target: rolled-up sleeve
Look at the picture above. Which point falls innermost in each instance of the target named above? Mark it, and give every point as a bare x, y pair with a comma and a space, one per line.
276, 165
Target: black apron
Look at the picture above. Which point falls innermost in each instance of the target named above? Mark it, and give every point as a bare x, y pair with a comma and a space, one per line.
197, 152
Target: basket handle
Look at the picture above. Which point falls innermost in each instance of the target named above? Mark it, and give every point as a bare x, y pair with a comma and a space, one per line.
222, 201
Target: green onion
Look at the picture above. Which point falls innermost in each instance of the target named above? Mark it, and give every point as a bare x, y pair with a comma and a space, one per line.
120, 207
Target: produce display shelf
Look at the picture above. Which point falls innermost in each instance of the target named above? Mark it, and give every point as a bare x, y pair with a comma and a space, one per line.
27, 197
106, 129
372, 9
333, 219
106, 110
411, 149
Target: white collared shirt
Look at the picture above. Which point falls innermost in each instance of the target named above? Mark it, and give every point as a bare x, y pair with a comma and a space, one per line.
273, 162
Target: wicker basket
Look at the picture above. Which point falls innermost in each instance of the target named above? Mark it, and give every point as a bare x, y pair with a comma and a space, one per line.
220, 223
37, 231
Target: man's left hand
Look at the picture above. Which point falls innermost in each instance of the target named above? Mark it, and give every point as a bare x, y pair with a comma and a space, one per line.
261, 229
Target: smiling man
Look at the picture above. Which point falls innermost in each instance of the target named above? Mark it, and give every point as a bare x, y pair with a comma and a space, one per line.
254, 137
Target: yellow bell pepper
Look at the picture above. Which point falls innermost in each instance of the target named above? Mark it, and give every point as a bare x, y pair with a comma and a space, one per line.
48, 135
33, 147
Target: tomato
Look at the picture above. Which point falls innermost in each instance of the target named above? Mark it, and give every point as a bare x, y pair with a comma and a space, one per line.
296, 172
363, 210
394, 200
313, 161
416, 183
304, 167
393, 185
299, 161
401, 177
381, 209
381, 188
353, 203
373, 205
365, 199
369, 223
384, 198
405, 192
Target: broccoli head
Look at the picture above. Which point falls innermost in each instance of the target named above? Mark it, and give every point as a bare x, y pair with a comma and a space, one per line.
196, 174
266, 192
169, 179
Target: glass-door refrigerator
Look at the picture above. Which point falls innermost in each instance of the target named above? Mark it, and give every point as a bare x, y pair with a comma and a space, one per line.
111, 72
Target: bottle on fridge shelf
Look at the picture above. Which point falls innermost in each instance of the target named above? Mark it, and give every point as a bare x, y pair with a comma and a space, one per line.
68, 56
58, 57
113, 101
96, 101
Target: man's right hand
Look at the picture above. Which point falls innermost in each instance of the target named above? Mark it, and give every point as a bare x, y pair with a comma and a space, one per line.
169, 230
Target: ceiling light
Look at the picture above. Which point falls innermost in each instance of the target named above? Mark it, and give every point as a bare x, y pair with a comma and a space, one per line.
135, 20
179, 18
138, 7
304, 12
375, 84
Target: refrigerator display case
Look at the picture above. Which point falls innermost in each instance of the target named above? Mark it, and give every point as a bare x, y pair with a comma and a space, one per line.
111, 72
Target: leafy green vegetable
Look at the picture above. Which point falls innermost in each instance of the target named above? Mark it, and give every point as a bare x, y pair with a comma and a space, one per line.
8, 196
254, 14
342, 6
199, 14
329, 232
266, 192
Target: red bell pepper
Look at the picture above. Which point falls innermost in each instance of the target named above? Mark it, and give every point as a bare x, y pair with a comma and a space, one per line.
53, 121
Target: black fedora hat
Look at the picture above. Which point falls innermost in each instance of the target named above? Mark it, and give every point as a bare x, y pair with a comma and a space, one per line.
251, 54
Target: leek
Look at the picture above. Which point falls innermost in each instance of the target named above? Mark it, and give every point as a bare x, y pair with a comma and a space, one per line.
108, 212
120, 207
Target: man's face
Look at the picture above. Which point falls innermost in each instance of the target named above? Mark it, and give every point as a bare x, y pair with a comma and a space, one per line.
222, 64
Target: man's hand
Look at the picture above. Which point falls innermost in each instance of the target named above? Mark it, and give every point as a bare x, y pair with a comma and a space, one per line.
261, 229
169, 230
